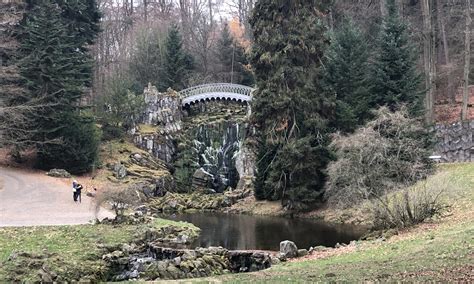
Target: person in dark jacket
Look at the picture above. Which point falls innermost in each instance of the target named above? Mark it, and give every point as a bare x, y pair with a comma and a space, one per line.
76, 191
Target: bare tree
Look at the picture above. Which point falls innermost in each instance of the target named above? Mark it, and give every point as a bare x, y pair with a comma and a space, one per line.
429, 59
467, 61
119, 200
441, 17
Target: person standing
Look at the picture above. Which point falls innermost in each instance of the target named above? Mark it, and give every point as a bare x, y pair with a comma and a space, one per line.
78, 192
74, 190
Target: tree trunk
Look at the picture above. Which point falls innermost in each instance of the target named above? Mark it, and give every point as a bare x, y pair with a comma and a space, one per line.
447, 60
428, 56
211, 14
145, 10
383, 8
467, 61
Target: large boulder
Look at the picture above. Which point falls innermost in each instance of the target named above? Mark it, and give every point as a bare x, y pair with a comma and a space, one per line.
201, 179
302, 252
58, 173
120, 171
288, 249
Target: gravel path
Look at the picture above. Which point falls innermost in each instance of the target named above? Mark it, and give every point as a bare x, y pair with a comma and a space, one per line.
32, 198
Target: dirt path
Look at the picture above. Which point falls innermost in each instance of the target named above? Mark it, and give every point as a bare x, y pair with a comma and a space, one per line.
31, 198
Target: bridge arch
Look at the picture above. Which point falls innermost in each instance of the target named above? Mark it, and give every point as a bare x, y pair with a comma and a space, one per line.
214, 92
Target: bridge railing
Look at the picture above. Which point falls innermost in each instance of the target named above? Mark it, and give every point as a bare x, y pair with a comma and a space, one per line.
217, 88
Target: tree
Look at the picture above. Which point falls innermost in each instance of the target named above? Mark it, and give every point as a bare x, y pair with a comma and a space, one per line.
57, 70
288, 110
467, 61
429, 53
232, 66
119, 200
346, 76
120, 106
395, 76
178, 63
77, 149
147, 62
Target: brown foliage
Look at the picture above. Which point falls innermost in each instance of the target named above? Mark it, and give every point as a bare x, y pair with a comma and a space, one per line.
119, 200
389, 153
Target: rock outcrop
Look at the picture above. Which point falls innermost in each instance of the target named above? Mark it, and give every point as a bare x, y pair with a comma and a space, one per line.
163, 110
175, 202
58, 173
158, 262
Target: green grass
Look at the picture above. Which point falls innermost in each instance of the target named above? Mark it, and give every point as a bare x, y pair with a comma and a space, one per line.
72, 251
442, 250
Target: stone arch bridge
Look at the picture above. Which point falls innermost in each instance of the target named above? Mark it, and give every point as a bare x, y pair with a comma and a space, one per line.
216, 91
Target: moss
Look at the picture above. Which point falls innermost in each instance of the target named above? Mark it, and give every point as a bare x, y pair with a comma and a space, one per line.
71, 252
148, 129
116, 151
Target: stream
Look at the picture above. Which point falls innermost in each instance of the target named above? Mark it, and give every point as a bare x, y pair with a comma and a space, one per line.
246, 232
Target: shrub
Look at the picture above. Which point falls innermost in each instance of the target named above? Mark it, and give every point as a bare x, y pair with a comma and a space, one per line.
388, 153
119, 200
407, 207
112, 132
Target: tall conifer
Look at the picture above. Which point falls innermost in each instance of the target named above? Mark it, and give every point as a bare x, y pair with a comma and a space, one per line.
57, 71
395, 76
177, 63
232, 60
288, 110
346, 76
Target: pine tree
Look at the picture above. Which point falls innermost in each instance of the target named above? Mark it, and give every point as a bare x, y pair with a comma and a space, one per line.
147, 64
232, 60
395, 77
83, 19
224, 51
57, 71
288, 110
177, 64
346, 76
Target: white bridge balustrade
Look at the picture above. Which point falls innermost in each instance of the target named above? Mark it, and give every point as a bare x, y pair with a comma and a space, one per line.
217, 91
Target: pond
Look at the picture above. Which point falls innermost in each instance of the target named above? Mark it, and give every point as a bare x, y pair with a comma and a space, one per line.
246, 232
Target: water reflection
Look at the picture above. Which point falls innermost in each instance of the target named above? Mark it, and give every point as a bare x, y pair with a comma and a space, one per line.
261, 232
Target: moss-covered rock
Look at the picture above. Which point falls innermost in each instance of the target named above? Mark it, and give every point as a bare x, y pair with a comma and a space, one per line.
176, 203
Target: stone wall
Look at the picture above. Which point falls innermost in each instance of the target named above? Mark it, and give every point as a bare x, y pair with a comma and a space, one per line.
455, 142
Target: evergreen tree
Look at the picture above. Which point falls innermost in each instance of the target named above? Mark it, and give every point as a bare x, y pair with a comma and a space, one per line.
82, 16
288, 110
178, 63
233, 62
147, 64
346, 76
395, 76
57, 71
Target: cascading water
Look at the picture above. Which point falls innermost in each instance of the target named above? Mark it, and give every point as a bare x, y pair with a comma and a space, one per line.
216, 148
209, 147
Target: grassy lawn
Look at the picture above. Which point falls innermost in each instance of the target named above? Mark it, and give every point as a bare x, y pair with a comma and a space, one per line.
70, 251
442, 249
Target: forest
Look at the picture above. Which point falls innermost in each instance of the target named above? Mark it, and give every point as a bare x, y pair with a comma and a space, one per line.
234, 126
